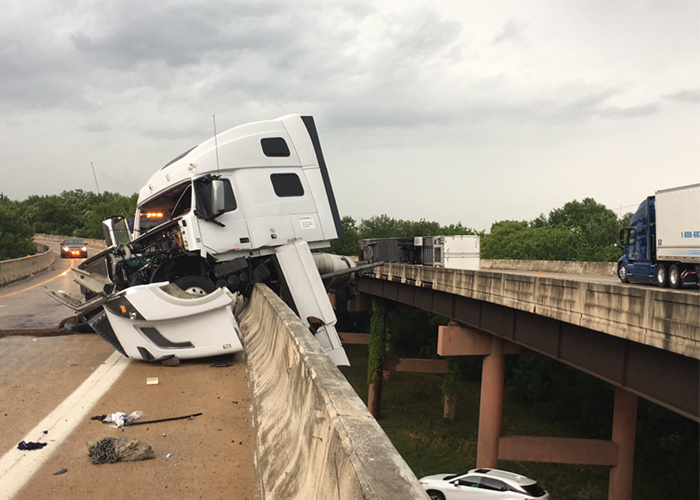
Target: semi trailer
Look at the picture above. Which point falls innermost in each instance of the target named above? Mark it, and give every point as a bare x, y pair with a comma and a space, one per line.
662, 243
451, 252
244, 207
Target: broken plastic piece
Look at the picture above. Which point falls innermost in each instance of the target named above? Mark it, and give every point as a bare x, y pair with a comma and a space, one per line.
121, 419
62, 471
152, 381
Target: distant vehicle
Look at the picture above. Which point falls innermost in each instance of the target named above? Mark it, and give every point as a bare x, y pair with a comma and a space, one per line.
450, 252
482, 484
662, 244
74, 247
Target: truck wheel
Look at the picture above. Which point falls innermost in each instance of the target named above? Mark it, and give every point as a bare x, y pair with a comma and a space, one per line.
674, 277
661, 276
622, 273
195, 285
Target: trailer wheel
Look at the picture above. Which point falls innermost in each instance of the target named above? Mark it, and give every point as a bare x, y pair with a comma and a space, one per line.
661, 276
195, 285
674, 277
622, 273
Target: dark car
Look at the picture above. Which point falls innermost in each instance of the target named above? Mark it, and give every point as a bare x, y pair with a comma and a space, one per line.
74, 247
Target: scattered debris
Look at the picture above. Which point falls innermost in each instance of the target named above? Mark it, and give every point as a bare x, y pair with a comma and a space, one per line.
119, 449
167, 420
62, 471
163, 435
152, 381
45, 432
30, 446
121, 419
167, 456
221, 365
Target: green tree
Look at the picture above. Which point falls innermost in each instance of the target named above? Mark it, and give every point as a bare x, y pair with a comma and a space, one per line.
15, 234
347, 245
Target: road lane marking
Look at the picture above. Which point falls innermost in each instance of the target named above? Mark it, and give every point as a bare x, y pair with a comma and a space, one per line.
33, 286
17, 467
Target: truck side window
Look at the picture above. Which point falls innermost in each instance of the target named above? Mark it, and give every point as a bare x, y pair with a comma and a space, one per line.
286, 185
274, 147
202, 190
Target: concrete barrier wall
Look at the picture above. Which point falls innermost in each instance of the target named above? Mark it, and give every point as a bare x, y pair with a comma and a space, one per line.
16, 269
99, 244
667, 319
551, 266
314, 437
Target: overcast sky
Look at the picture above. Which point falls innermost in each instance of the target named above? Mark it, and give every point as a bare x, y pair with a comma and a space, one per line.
445, 110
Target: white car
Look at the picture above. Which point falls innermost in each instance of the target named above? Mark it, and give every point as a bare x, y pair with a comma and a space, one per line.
482, 484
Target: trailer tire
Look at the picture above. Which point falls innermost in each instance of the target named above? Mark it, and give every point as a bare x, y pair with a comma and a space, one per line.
674, 277
661, 276
622, 273
195, 285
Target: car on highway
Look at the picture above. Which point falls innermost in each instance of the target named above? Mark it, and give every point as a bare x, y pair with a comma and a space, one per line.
74, 247
482, 484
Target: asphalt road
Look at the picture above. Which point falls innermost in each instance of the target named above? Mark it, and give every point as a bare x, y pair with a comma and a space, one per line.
24, 305
51, 386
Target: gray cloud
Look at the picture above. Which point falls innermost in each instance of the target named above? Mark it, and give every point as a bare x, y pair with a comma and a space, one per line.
511, 32
688, 96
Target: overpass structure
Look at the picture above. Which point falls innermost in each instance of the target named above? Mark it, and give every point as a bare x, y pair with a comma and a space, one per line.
643, 340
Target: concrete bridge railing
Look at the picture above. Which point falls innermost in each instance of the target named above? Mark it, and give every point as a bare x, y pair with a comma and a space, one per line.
550, 266
100, 244
12, 270
314, 437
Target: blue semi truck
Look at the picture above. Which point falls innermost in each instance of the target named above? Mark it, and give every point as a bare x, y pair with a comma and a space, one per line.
662, 244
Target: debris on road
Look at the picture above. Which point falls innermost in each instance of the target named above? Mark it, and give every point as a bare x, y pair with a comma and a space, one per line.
221, 365
184, 417
30, 446
121, 419
62, 471
152, 381
119, 449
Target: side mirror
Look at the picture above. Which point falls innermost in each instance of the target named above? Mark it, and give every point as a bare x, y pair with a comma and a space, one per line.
218, 196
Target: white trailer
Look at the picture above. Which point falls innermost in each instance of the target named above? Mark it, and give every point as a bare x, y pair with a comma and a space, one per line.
678, 224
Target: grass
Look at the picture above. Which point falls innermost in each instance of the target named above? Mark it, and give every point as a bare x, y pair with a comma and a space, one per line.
412, 418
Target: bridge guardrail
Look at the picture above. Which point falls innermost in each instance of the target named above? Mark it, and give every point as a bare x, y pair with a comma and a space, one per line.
12, 270
550, 266
314, 437
662, 318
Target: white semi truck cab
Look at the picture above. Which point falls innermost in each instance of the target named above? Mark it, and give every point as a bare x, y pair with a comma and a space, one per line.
246, 206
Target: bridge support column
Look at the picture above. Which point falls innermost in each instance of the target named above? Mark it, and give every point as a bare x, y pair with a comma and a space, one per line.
623, 434
491, 406
450, 409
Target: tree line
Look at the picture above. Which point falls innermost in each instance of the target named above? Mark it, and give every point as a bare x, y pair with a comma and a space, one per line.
578, 231
72, 213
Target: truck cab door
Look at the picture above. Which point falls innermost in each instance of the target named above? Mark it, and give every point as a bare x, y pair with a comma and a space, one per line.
222, 224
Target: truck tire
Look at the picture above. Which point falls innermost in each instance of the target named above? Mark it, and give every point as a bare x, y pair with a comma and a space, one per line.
195, 285
674, 277
622, 273
661, 276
